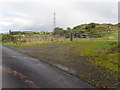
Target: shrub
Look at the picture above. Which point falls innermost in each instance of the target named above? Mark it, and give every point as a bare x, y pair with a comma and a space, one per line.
8, 38
90, 26
23, 40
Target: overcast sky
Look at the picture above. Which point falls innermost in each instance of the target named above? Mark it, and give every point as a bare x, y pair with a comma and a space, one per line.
37, 15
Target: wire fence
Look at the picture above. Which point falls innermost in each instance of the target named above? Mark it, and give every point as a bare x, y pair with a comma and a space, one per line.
107, 37
99, 36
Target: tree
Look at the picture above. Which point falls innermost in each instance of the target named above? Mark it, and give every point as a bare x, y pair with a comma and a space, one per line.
68, 28
15, 32
57, 30
63, 32
90, 26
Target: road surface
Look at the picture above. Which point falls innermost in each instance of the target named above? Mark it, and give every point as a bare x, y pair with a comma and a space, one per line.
22, 71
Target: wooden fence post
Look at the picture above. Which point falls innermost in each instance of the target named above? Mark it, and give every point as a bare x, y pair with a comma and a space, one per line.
71, 36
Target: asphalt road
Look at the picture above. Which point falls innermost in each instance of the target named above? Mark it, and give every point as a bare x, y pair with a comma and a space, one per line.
22, 71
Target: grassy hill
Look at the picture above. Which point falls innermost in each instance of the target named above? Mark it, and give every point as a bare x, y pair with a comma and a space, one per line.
98, 27
88, 30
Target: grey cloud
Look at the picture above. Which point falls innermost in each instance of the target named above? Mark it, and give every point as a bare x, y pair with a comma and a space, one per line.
38, 16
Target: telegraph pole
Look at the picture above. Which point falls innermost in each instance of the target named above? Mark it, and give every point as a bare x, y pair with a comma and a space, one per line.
54, 21
10, 31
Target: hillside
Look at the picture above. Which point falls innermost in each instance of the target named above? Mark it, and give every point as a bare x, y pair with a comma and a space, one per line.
87, 29
98, 27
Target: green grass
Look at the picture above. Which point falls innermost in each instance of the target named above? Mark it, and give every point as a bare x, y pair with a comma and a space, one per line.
10, 44
101, 51
109, 61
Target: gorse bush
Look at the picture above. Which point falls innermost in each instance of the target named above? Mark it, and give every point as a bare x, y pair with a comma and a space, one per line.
8, 38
